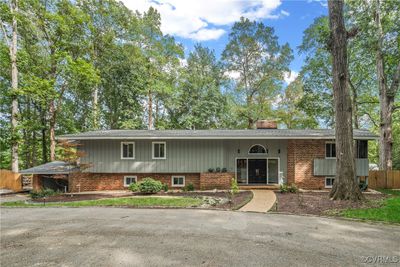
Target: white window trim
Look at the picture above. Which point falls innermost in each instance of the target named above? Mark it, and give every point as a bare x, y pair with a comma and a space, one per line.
326, 178
178, 185
129, 176
122, 150
165, 150
329, 142
257, 153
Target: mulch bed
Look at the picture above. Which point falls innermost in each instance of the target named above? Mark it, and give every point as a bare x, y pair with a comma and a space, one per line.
239, 199
318, 203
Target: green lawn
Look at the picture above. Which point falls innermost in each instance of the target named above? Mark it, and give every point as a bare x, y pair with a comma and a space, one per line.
126, 201
389, 211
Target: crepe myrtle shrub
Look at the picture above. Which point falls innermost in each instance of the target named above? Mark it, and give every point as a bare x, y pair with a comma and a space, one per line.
147, 185
233, 190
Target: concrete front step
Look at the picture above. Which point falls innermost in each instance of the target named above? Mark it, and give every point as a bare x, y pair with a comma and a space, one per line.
261, 187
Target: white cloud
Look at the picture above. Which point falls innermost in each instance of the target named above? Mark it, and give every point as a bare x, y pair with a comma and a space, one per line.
290, 76
204, 19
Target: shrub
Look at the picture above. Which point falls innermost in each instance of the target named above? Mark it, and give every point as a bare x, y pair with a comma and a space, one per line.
189, 187
283, 188
224, 170
218, 169
134, 187
293, 188
234, 189
165, 187
210, 170
44, 192
149, 186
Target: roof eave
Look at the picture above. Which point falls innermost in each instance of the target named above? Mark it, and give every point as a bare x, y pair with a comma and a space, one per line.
204, 137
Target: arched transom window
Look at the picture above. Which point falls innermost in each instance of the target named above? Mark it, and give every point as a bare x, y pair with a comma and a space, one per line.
257, 149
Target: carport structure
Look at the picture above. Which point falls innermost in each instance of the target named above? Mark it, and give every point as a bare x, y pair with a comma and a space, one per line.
52, 175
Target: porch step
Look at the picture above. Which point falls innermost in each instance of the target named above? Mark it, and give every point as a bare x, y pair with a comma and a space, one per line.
255, 187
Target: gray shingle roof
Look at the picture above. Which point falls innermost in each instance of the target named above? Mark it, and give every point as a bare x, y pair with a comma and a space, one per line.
54, 167
214, 134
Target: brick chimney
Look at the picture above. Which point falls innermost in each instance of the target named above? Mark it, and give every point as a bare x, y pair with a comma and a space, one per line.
266, 124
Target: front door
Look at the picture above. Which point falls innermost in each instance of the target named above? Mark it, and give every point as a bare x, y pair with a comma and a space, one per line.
257, 171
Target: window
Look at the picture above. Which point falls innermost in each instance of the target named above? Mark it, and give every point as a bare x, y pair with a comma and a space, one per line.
329, 182
178, 181
257, 149
362, 149
127, 150
159, 150
129, 180
330, 150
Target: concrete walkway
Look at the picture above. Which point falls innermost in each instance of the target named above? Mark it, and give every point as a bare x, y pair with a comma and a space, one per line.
262, 201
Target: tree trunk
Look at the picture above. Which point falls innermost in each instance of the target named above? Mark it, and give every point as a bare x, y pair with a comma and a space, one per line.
345, 186
95, 108
52, 112
150, 108
386, 101
44, 141
14, 88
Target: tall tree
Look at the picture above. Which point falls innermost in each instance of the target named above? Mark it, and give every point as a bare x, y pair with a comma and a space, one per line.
201, 105
386, 95
259, 63
288, 110
345, 186
13, 48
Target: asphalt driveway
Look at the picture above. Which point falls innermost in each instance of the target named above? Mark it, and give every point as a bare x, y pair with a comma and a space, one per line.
128, 237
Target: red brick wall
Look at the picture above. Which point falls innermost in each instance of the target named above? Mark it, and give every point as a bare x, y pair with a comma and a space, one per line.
115, 181
215, 180
301, 155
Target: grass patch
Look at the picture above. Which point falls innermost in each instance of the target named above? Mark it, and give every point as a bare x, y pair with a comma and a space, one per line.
390, 192
389, 211
125, 201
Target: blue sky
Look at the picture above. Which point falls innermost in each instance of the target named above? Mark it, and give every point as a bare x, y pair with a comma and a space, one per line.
209, 21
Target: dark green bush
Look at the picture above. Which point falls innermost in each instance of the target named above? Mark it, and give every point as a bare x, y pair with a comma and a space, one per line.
293, 188
218, 169
283, 188
44, 192
189, 187
210, 170
134, 187
165, 187
150, 186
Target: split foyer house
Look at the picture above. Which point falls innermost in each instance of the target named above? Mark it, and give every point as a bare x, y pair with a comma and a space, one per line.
208, 159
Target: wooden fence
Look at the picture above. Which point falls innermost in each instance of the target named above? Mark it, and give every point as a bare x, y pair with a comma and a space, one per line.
384, 179
10, 180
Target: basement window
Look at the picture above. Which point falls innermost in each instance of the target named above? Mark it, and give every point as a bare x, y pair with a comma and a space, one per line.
129, 180
178, 181
127, 150
329, 182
